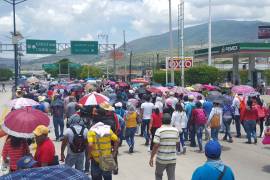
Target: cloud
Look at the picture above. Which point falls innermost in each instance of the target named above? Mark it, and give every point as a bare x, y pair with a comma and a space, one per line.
87, 37
64, 20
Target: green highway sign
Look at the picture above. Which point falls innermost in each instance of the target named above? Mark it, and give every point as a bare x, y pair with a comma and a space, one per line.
73, 65
34, 46
50, 66
84, 47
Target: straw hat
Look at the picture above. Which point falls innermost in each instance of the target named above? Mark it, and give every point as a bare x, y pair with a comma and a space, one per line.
106, 106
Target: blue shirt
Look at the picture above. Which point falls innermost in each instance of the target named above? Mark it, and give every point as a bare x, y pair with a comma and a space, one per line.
211, 173
207, 107
188, 108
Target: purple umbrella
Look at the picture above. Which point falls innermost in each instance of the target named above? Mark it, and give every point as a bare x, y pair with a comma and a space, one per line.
243, 89
196, 94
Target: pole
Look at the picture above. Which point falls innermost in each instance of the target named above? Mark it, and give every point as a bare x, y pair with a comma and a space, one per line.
130, 61
171, 39
210, 35
166, 64
182, 43
114, 62
15, 45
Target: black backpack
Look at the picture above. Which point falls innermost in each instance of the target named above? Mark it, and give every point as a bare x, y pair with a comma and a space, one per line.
78, 144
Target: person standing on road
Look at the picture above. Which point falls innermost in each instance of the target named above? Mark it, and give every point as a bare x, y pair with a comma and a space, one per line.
198, 120
236, 117
227, 120
179, 120
131, 118
4, 87
250, 116
215, 120
214, 168
71, 107
76, 138
146, 111
57, 108
165, 142
45, 152
100, 137
155, 123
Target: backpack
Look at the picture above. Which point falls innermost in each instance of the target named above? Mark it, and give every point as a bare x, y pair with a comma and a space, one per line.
78, 144
200, 117
215, 120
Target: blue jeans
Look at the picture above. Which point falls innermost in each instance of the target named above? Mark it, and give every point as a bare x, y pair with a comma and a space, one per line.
227, 124
130, 134
58, 122
250, 127
97, 173
182, 139
199, 132
214, 133
237, 125
145, 128
76, 160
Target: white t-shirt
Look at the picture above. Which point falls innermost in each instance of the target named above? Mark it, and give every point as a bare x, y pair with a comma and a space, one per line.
179, 120
147, 109
69, 134
159, 105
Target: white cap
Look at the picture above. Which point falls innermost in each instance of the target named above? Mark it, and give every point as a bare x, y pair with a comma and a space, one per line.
191, 97
119, 104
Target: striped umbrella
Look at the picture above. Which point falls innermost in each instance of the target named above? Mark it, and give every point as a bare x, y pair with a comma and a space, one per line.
93, 98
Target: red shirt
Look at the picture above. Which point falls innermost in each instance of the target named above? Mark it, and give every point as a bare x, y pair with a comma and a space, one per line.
14, 154
156, 120
250, 114
45, 152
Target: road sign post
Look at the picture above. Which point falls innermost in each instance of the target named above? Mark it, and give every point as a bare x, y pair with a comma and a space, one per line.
84, 47
34, 46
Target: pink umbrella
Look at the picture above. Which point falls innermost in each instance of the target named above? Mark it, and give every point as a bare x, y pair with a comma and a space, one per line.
243, 89
123, 84
179, 90
23, 102
93, 99
198, 87
133, 102
139, 80
163, 89
209, 87
154, 90
196, 94
22, 122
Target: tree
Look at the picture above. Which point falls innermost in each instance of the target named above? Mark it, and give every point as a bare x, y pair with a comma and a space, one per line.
90, 71
203, 74
5, 74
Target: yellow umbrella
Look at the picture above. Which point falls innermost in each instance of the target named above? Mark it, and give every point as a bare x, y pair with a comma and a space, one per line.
190, 88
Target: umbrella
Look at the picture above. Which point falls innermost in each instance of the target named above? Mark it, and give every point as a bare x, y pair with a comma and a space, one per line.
198, 87
141, 90
111, 82
243, 89
226, 85
196, 94
136, 85
190, 88
219, 98
123, 84
32, 80
92, 81
75, 87
215, 93
93, 98
23, 102
134, 102
59, 87
139, 80
180, 90
209, 87
48, 172
154, 90
22, 122
164, 90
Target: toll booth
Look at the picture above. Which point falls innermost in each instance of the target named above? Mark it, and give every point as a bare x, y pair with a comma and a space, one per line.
236, 51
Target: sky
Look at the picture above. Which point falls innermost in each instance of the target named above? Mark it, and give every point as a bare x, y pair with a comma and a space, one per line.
65, 20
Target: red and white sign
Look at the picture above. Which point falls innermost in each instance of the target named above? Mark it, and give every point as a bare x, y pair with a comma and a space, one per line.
176, 63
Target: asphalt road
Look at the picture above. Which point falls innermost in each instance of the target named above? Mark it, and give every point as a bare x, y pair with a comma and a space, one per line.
248, 162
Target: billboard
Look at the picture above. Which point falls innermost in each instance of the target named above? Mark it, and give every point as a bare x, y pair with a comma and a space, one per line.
176, 63
264, 32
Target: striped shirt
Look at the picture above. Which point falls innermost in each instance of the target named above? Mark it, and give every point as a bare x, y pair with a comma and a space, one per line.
167, 137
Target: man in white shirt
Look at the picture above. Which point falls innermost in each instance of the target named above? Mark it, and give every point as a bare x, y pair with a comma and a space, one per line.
146, 111
236, 106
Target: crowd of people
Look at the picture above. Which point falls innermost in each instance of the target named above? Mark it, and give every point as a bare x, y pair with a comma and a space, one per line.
168, 122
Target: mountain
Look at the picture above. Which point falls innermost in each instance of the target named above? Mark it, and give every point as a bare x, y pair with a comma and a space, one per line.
195, 37
223, 32
6, 63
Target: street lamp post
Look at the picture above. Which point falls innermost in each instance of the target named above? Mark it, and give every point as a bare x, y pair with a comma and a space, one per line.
14, 3
210, 34
171, 40
182, 14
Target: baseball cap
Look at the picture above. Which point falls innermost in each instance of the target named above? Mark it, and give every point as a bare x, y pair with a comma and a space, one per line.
41, 130
213, 149
26, 162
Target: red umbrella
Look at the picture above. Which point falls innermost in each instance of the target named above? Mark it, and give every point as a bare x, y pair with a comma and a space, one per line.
93, 98
123, 84
243, 89
139, 80
154, 90
22, 122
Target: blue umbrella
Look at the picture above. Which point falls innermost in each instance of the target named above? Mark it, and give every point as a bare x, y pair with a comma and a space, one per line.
49, 172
